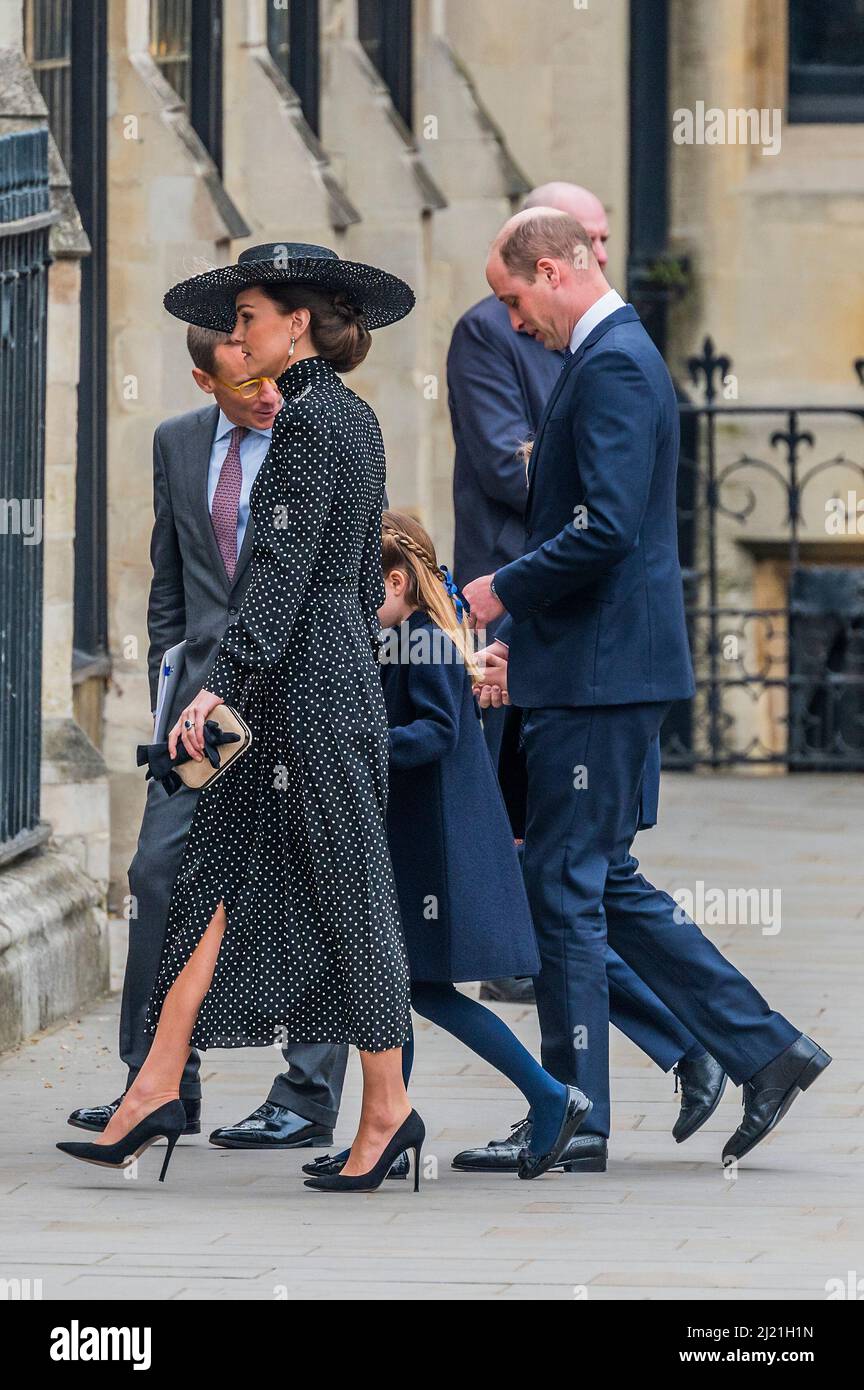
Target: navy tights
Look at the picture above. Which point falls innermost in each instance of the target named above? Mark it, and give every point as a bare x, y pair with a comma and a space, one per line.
486, 1034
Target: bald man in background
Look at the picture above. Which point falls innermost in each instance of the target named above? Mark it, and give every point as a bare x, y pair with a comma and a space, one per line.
498, 383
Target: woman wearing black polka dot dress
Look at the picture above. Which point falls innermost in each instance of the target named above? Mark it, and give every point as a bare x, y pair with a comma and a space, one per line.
284, 922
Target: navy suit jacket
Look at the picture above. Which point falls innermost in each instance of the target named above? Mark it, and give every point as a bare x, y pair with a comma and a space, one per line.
597, 609
498, 383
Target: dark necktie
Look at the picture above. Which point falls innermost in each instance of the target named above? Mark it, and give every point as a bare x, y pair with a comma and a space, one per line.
226, 502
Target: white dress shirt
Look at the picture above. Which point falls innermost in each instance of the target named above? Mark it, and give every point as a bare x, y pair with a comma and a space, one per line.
600, 310
253, 450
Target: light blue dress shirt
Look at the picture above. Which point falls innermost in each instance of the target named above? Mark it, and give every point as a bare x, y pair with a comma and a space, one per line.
253, 450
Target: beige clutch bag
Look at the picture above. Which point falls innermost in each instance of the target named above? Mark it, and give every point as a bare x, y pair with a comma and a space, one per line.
204, 774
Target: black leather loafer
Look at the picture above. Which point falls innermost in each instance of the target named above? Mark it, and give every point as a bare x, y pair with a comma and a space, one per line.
769, 1094
702, 1082
272, 1127
577, 1109
96, 1117
328, 1166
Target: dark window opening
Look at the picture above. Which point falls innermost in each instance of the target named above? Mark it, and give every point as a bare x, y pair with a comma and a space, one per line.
186, 45
385, 31
293, 38
171, 42
48, 45
826, 61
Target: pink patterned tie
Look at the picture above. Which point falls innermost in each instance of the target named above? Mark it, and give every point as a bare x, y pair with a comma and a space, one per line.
226, 502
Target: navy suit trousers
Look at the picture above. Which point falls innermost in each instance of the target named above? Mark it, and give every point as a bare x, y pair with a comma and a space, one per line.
585, 773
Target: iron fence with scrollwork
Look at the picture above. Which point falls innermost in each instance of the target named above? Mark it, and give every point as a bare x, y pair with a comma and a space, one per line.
25, 217
776, 618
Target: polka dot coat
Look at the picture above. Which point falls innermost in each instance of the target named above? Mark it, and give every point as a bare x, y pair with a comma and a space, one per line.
292, 836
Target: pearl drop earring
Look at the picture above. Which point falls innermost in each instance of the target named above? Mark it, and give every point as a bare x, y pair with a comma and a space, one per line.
291, 349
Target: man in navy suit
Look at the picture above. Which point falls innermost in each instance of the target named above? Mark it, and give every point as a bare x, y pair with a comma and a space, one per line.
598, 651
499, 382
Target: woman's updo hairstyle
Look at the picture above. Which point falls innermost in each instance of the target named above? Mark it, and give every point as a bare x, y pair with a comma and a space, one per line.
337, 326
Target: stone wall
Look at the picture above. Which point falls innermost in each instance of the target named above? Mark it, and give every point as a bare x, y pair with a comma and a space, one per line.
53, 926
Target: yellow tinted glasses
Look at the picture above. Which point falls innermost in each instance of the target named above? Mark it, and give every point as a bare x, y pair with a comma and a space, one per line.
247, 389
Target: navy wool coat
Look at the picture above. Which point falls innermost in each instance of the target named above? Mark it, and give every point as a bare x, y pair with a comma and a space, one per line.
460, 889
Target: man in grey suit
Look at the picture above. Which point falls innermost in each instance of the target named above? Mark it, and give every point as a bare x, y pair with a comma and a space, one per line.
195, 594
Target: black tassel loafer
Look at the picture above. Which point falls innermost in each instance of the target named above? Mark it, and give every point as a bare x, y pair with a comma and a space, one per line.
168, 1122
576, 1111
768, 1095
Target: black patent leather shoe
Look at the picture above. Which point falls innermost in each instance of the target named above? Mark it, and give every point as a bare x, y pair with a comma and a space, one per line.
96, 1117
586, 1153
576, 1110
702, 1082
272, 1127
769, 1094
330, 1164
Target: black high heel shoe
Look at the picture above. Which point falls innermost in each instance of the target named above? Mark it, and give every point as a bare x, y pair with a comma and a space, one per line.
409, 1135
168, 1122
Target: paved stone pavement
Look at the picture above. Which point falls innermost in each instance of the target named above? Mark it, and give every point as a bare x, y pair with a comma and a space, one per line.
663, 1223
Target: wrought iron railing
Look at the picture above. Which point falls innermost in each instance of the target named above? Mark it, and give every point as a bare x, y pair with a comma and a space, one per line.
780, 672
25, 217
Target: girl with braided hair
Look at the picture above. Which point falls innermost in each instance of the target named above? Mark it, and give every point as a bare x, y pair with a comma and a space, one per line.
463, 906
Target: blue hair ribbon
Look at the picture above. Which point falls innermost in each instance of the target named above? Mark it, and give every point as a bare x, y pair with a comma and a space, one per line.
460, 602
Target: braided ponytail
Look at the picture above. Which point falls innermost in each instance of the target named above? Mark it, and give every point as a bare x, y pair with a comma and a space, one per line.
406, 546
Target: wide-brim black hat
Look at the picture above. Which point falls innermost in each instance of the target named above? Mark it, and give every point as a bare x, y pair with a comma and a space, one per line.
208, 300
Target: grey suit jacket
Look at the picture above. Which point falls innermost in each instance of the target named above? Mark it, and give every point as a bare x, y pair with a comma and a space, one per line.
191, 595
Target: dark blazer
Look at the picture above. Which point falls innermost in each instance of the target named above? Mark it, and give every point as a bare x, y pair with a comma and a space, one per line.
446, 822
597, 611
191, 595
498, 382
